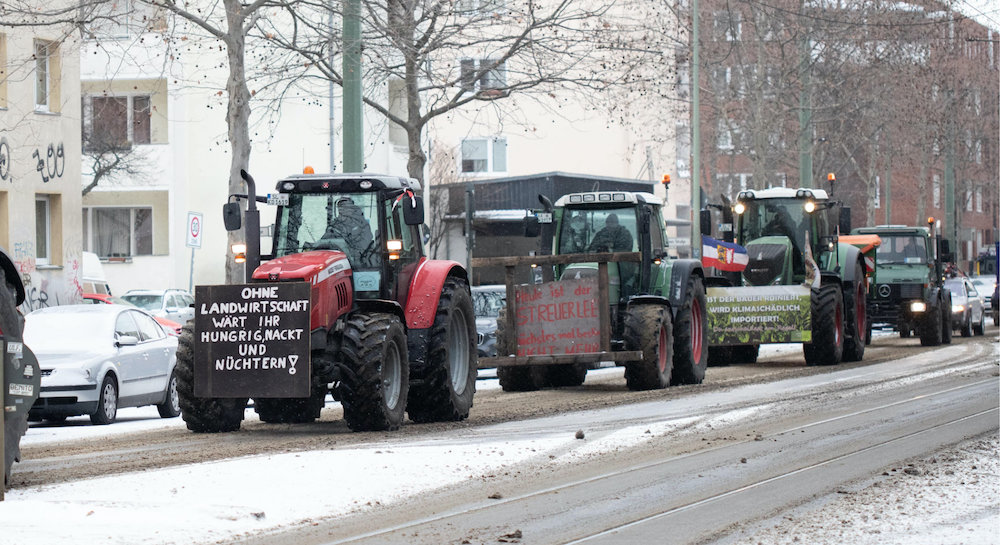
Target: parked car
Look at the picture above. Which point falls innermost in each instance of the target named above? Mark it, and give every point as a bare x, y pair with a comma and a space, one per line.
486, 303
967, 310
985, 285
97, 358
172, 304
172, 327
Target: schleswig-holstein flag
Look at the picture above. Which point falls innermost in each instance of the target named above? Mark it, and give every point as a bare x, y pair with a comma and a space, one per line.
724, 256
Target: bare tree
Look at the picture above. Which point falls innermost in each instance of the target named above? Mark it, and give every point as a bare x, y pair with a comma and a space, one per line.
425, 58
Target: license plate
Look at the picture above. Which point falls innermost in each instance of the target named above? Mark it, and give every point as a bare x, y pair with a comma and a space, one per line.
21, 389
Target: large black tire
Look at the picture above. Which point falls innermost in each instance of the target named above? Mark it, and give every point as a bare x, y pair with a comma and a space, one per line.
946, 325
171, 406
856, 306
827, 346
518, 378
441, 390
570, 374
202, 414
648, 328
377, 372
298, 410
691, 336
930, 326
107, 402
720, 356
904, 330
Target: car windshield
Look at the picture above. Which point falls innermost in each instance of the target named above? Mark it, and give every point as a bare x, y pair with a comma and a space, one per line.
956, 287
901, 250
598, 230
488, 303
145, 301
329, 221
76, 330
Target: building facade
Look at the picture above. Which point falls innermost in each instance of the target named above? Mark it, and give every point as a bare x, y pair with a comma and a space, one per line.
40, 202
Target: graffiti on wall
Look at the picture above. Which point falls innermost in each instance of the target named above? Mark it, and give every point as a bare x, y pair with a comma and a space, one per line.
24, 257
53, 164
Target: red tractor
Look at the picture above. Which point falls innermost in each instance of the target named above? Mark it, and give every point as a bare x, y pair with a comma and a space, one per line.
347, 304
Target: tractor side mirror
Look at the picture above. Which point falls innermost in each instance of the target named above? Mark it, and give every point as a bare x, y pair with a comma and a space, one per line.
532, 228
231, 216
413, 209
845, 220
705, 222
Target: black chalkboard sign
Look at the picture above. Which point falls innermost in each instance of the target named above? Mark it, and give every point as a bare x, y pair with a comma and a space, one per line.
252, 340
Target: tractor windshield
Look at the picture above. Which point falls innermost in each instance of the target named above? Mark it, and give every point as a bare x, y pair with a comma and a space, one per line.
598, 230
781, 217
901, 250
329, 221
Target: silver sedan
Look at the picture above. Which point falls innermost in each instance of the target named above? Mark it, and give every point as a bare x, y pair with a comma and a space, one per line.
97, 358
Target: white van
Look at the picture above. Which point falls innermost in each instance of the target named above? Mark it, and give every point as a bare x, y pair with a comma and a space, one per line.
93, 279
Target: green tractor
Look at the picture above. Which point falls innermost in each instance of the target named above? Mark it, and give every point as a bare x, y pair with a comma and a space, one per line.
800, 282
656, 303
909, 293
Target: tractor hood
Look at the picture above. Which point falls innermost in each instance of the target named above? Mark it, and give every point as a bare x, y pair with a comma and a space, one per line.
770, 260
314, 266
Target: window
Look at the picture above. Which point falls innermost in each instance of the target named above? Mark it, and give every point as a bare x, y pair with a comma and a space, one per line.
118, 232
936, 190
968, 201
482, 155
116, 121
878, 193
726, 26
47, 74
488, 78
979, 199
481, 6
43, 229
727, 136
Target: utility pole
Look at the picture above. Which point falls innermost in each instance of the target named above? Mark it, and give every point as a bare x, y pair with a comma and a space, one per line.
332, 128
805, 107
354, 160
695, 138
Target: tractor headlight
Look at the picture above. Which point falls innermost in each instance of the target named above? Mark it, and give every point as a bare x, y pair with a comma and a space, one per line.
810, 207
918, 306
739, 208
957, 308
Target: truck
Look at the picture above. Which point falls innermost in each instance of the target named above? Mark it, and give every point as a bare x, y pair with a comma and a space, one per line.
617, 296
346, 304
909, 294
800, 283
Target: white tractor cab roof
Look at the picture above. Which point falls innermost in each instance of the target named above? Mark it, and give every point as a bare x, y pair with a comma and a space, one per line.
783, 193
347, 182
608, 197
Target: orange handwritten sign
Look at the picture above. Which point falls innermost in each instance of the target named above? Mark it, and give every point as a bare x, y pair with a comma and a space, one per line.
557, 318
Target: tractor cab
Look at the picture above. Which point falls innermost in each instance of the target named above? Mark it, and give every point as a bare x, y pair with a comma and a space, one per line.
779, 227
612, 221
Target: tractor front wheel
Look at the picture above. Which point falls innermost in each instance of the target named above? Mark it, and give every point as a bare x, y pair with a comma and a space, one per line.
648, 328
442, 389
374, 389
691, 336
516, 378
202, 414
931, 326
827, 346
857, 317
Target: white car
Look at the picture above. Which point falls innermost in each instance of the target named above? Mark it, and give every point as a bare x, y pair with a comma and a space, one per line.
171, 304
97, 358
967, 309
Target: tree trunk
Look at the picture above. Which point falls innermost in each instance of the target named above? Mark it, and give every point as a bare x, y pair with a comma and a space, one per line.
238, 118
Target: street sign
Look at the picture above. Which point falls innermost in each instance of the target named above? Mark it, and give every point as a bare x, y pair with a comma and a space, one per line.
194, 229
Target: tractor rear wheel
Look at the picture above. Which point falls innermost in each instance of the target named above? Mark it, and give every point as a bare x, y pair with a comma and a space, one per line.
691, 336
202, 414
374, 389
827, 346
442, 389
857, 316
648, 328
570, 374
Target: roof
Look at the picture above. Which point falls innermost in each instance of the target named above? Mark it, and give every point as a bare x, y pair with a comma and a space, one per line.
889, 229
784, 193
344, 182
608, 198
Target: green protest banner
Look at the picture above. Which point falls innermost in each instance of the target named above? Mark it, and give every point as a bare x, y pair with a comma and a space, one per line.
759, 315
